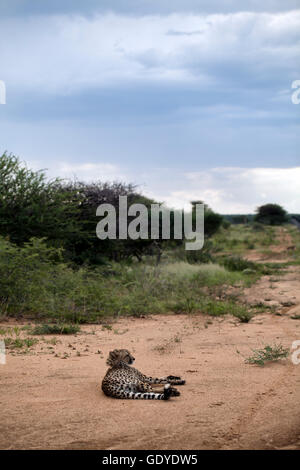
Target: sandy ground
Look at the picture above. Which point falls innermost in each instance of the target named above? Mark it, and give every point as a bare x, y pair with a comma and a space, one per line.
51, 397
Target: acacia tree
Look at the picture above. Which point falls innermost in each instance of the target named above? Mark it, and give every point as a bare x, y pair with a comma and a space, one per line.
271, 214
87, 247
64, 213
31, 206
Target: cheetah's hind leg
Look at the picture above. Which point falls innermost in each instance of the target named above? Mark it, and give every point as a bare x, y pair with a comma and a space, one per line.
159, 388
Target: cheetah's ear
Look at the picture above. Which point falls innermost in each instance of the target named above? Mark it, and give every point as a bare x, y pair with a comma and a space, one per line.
113, 358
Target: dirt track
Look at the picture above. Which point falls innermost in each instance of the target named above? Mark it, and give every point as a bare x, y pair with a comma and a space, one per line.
51, 398
50, 402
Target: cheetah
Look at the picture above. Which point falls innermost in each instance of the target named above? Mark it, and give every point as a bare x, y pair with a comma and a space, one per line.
123, 381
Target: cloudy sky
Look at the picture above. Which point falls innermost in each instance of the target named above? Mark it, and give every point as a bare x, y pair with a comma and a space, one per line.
188, 99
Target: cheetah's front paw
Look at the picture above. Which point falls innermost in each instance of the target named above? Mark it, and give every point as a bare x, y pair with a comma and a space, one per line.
176, 380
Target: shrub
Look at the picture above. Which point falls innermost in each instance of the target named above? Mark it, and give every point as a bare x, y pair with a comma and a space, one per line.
212, 220
243, 315
55, 329
271, 214
200, 256
236, 263
257, 227
35, 283
32, 206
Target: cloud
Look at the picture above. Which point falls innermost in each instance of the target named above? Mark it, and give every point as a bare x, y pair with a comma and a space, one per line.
66, 54
227, 190
235, 190
183, 33
90, 171
81, 171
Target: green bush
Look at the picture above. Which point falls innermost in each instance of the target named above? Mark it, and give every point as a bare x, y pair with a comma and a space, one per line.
212, 220
257, 227
33, 281
200, 256
31, 206
36, 284
268, 354
271, 214
236, 263
55, 329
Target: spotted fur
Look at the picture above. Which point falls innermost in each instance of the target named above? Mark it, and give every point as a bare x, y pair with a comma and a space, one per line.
123, 381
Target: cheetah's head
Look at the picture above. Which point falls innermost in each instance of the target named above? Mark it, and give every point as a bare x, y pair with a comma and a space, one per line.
119, 355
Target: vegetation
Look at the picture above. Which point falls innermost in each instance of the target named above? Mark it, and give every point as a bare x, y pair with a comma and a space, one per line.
271, 214
237, 239
236, 263
212, 221
32, 206
36, 283
19, 343
53, 267
55, 329
64, 214
267, 354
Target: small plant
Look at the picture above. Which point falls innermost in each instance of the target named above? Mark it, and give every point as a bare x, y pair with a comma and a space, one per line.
16, 330
295, 317
243, 315
52, 341
30, 342
55, 329
267, 354
19, 343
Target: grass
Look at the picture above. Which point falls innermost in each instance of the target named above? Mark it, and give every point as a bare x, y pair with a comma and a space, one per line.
211, 274
237, 239
295, 234
213, 307
33, 286
45, 290
267, 354
19, 343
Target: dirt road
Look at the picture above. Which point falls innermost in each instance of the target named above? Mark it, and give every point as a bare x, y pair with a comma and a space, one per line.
49, 402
